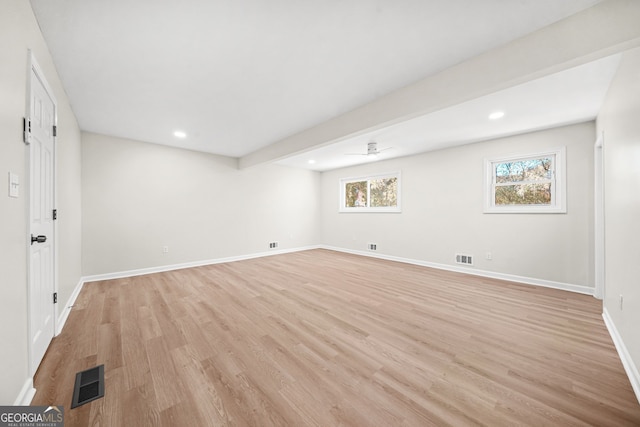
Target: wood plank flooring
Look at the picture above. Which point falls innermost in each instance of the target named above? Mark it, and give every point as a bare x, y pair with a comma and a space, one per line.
320, 338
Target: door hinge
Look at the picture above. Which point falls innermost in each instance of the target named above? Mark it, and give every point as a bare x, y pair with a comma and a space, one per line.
55, 297
26, 130
55, 214
55, 130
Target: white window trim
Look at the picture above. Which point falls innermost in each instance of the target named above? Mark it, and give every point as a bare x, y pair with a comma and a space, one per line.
558, 192
344, 181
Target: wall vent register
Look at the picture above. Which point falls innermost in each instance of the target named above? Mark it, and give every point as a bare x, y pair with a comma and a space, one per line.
464, 259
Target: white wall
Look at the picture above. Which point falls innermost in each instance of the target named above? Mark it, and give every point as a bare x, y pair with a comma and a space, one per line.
19, 31
139, 197
442, 211
619, 119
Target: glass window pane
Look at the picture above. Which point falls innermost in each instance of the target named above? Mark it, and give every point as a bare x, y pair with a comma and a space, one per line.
384, 192
524, 170
356, 194
523, 194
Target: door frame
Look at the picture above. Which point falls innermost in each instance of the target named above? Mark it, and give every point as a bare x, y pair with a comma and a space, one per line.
598, 218
35, 71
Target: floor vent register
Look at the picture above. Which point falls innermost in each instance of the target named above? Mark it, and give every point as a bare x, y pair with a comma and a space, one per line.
89, 386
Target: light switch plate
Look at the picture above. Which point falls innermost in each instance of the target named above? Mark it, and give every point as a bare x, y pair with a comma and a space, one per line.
14, 185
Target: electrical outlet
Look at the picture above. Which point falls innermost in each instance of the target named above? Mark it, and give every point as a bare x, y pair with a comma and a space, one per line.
165, 249
372, 246
489, 256
273, 245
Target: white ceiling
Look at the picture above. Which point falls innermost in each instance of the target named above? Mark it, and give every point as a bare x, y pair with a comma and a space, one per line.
239, 75
572, 96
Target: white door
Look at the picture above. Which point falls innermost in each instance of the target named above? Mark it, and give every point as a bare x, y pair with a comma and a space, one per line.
41, 120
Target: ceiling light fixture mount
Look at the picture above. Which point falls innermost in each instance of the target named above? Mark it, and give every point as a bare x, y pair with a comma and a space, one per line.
496, 115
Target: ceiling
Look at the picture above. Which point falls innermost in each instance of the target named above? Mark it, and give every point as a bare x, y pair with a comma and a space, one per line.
240, 75
568, 97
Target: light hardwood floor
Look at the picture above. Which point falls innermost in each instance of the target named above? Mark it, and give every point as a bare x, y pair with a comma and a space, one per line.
321, 338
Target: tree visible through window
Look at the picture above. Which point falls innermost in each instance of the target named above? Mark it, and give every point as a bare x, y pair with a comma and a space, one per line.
356, 194
526, 184
375, 193
384, 192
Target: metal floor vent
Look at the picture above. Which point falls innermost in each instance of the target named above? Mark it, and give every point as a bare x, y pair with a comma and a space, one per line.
89, 386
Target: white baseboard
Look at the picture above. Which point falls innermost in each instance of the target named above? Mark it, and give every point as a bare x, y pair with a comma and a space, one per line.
26, 394
630, 368
163, 268
491, 274
62, 318
502, 276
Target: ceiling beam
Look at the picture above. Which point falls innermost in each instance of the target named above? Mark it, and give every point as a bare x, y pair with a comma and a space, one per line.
607, 28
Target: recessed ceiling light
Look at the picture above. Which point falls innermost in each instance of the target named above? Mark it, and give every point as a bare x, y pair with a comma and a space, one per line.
180, 134
496, 115
311, 162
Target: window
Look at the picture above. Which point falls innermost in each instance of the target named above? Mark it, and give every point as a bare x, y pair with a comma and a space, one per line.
526, 184
379, 193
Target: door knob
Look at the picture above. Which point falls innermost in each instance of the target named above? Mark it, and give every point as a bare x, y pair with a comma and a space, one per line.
38, 239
